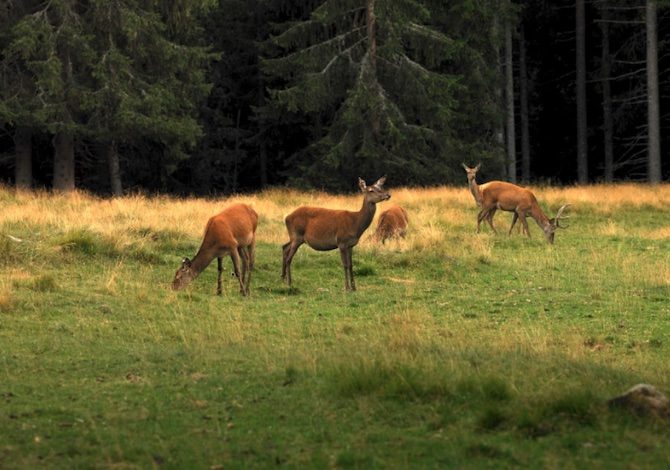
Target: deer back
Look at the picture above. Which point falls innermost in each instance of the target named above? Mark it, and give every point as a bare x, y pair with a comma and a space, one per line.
320, 223
392, 222
234, 226
506, 196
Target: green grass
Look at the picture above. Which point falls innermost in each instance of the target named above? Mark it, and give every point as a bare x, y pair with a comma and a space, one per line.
441, 359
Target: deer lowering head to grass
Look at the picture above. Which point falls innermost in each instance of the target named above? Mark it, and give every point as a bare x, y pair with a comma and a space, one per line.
327, 229
392, 223
232, 232
510, 197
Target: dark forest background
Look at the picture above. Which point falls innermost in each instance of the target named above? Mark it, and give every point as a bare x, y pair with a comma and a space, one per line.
216, 97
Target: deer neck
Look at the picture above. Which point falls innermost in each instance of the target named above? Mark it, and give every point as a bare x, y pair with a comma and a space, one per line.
539, 216
474, 189
201, 261
364, 217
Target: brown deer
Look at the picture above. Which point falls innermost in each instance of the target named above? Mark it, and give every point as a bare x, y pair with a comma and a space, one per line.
233, 232
510, 197
477, 193
327, 229
392, 223
472, 182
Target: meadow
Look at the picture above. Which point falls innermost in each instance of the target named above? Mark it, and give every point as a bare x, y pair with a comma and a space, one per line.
458, 350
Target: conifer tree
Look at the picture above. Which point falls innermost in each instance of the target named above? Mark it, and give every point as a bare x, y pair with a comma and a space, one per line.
104, 71
146, 81
366, 73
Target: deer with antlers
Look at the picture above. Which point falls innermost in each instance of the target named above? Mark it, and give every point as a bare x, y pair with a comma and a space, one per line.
392, 223
232, 232
328, 229
522, 202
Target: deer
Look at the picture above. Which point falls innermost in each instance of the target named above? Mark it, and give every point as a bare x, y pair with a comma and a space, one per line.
472, 182
232, 232
510, 197
392, 223
477, 193
327, 229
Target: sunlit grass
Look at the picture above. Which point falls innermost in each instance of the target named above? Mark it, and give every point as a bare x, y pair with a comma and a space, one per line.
471, 349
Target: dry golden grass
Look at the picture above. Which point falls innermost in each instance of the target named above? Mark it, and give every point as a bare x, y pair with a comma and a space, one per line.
431, 211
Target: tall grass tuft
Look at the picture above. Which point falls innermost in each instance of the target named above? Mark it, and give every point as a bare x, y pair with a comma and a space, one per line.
84, 241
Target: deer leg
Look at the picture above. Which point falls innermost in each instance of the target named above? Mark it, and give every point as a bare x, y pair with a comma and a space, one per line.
219, 262
250, 265
244, 255
288, 257
235, 256
514, 219
284, 251
350, 253
524, 222
489, 219
480, 217
345, 264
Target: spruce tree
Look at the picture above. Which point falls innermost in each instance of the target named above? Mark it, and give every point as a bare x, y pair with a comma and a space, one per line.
106, 72
366, 74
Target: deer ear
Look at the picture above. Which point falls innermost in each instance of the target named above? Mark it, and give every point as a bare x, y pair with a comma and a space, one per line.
465, 167
361, 184
479, 165
380, 182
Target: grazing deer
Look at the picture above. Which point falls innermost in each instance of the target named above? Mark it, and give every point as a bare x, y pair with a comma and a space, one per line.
392, 223
510, 197
327, 229
233, 232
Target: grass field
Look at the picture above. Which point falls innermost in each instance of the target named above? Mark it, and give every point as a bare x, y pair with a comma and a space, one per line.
459, 350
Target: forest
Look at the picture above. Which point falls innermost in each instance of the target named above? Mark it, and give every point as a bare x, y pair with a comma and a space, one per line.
210, 97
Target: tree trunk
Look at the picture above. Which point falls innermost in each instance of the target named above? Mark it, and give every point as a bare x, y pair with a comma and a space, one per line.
112, 157
262, 145
509, 98
499, 129
372, 34
523, 89
63, 177
654, 140
371, 22
23, 169
608, 123
582, 150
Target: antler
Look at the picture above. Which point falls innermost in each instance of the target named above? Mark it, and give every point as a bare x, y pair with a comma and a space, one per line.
559, 215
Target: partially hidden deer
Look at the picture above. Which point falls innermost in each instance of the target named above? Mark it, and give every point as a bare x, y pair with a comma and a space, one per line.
392, 223
328, 229
477, 193
510, 197
231, 232
472, 182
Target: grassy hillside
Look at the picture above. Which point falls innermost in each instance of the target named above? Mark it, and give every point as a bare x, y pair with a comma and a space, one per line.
458, 349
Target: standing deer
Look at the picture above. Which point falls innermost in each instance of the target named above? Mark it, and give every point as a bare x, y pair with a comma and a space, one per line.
233, 232
392, 223
477, 193
472, 183
327, 229
510, 197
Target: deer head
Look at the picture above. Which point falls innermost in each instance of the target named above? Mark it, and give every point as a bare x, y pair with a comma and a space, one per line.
471, 172
184, 275
550, 228
374, 193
